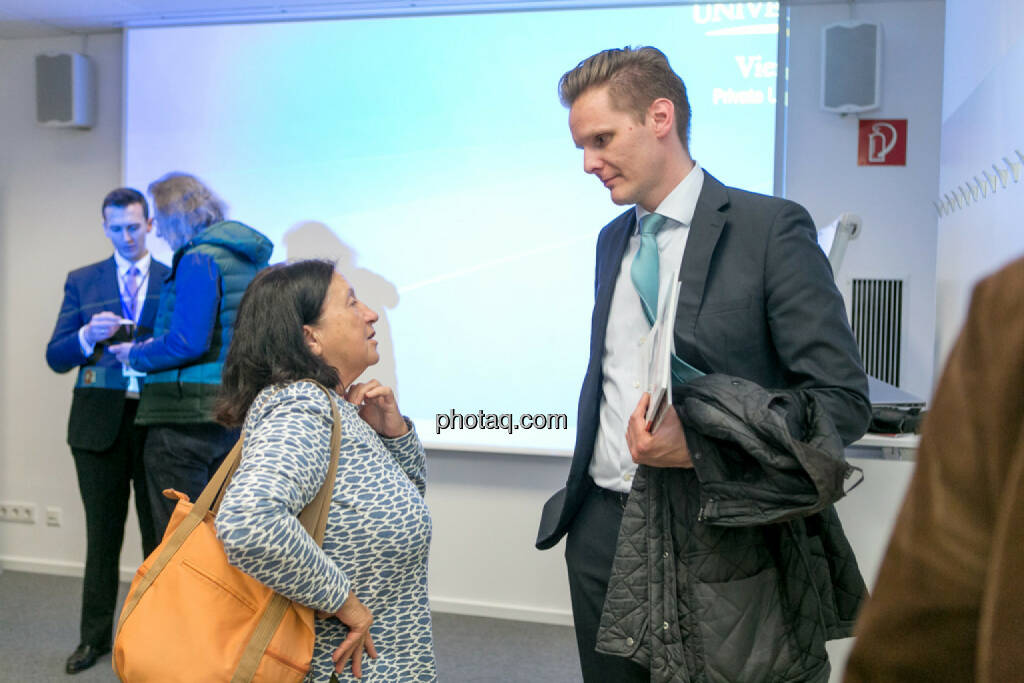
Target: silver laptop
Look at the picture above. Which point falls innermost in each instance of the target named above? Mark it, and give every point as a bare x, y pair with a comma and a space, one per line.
883, 394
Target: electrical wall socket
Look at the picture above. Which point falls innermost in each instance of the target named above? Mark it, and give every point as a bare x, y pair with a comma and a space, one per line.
24, 513
53, 515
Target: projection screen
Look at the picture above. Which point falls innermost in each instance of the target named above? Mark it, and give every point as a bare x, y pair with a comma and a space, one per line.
431, 158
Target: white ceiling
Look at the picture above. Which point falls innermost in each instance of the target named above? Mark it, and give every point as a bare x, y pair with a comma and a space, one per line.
41, 18
37, 18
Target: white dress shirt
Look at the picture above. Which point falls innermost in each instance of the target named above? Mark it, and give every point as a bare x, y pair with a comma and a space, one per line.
142, 282
626, 351
142, 286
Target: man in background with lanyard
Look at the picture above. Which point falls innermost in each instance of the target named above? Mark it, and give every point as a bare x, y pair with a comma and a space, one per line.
106, 302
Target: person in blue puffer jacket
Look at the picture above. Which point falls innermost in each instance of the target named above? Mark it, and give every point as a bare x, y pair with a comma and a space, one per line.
214, 261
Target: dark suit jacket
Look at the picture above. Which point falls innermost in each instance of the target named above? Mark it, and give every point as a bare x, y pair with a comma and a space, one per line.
99, 392
757, 301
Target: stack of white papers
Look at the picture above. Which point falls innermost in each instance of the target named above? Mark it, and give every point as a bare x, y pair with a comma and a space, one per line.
662, 345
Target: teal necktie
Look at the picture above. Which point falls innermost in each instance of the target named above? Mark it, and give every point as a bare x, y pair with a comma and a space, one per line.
644, 274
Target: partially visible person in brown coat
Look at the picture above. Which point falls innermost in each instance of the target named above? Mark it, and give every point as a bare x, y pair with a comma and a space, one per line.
949, 601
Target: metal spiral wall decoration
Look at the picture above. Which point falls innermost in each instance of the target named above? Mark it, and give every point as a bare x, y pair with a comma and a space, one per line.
1005, 171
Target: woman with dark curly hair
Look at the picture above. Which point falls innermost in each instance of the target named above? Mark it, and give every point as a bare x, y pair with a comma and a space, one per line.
300, 322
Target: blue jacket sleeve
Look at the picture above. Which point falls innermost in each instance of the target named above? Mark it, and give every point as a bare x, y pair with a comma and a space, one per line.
64, 352
197, 301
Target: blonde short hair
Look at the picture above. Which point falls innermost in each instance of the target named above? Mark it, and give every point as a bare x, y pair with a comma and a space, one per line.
636, 76
184, 206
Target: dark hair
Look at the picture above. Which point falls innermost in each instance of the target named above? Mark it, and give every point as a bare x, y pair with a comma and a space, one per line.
122, 197
636, 76
268, 345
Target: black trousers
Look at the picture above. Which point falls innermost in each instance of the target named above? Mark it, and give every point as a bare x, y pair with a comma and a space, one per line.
105, 479
182, 457
589, 551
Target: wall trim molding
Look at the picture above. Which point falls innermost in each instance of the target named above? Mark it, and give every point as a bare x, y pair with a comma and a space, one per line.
35, 565
472, 608
494, 610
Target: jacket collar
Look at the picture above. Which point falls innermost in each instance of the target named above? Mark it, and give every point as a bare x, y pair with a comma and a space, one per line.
708, 221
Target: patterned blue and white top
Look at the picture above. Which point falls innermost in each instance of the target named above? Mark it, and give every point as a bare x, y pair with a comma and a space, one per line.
378, 528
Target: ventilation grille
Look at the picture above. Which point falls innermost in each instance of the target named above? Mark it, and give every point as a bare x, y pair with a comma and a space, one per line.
877, 321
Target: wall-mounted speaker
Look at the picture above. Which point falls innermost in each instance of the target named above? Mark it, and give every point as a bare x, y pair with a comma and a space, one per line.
851, 67
64, 90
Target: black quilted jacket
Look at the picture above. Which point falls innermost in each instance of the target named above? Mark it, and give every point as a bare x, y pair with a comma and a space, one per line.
738, 570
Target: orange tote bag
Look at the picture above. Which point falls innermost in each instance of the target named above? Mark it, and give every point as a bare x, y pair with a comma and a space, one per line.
190, 616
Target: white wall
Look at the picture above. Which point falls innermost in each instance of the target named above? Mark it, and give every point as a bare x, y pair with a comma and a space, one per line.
898, 236
983, 121
485, 506
51, 184
482, 560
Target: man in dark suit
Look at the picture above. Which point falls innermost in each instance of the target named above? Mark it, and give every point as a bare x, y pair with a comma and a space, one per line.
757, 300
103, 303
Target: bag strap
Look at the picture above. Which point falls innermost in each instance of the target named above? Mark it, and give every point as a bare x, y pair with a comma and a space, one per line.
313, 518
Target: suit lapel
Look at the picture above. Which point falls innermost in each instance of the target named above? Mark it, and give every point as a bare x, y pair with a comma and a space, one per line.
611, 263
705, 229
106, 284
612, 245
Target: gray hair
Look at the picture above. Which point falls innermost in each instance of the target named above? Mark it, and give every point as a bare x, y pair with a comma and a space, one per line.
183, 207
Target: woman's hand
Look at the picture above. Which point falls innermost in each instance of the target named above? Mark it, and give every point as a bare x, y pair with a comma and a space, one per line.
377, 406
358, 619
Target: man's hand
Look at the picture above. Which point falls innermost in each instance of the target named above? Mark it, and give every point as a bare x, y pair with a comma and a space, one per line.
122, 351
101, 327
358, 619
665, 448
378, 408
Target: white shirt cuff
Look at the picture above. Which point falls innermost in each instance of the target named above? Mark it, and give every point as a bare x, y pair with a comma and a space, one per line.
87, 349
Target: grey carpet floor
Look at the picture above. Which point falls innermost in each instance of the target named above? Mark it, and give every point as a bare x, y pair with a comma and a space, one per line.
39, 629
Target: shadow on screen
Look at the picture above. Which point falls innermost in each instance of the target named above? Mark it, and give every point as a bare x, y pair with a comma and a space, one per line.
311, 239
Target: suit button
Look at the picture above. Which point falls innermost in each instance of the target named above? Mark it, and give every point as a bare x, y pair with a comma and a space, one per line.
629, 642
